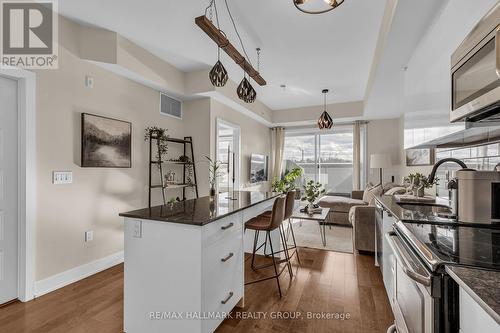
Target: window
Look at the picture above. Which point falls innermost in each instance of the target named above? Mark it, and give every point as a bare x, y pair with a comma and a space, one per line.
325, 157
483, 157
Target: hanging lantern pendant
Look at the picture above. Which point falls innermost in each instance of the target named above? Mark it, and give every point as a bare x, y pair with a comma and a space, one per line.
246, 92
325, 121
218, 74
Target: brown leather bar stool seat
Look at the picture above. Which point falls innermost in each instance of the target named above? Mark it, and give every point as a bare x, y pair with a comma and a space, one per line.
289, 207
267, 224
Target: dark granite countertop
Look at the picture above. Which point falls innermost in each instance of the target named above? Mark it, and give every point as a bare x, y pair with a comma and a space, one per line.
203, 210
481, 285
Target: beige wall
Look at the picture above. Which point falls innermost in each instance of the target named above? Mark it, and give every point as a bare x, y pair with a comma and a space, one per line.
196, 122
255, 138
383, 137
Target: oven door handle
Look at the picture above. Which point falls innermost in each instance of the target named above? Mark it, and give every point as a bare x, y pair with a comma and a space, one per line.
404, 260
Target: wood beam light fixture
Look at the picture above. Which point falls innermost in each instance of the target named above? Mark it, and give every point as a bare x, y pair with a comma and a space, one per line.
220, 39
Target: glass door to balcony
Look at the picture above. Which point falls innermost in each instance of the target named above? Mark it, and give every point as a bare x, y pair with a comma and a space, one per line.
325, 157
335, 162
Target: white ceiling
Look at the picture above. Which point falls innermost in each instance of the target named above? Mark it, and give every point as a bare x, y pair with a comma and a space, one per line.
411, 21
305, 52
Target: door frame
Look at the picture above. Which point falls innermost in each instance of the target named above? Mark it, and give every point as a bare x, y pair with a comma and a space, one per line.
26, 83
237, 143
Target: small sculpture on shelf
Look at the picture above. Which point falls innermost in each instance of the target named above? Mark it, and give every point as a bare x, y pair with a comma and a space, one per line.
169, 178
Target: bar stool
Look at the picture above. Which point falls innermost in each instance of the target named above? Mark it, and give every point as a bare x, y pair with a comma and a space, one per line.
267, 224
289, 207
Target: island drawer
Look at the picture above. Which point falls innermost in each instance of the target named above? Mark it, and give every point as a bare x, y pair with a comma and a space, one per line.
223, 257
222, 229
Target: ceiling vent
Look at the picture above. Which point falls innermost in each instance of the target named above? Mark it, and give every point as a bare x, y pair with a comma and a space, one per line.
170, 106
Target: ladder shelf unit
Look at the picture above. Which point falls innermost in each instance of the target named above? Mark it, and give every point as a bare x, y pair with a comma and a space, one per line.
156, 162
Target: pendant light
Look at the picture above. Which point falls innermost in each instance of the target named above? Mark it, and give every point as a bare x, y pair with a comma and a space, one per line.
245, 91
218, 74
316, 6
325, 121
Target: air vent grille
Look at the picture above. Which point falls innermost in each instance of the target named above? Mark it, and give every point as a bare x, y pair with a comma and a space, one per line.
170, 106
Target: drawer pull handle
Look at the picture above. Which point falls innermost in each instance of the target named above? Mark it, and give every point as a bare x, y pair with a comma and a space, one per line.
227, 298
224, 227
228, 257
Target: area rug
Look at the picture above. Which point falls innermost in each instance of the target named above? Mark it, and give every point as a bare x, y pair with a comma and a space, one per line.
307, 234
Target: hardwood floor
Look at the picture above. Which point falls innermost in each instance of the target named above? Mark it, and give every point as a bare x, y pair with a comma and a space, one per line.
328, 282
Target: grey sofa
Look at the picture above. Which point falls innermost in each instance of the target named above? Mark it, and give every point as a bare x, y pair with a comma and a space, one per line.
353, 212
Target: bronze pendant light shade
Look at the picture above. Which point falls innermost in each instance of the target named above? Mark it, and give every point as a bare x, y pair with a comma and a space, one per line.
325, 121
218, 74
246, 92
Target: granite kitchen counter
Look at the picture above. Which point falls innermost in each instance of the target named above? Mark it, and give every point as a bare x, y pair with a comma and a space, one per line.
203, 210
481, 285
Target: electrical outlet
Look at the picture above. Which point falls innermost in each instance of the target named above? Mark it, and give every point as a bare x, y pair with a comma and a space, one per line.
62, 177
89, 236
89, 82
137, 229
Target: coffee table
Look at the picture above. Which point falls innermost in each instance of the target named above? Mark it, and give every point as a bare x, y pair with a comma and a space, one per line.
319, 217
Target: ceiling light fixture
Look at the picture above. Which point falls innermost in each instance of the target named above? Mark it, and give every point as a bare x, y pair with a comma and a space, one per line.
317, 6
246, 92
325, 121
218, 74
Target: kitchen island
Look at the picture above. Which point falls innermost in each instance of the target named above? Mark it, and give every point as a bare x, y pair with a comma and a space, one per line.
184, 262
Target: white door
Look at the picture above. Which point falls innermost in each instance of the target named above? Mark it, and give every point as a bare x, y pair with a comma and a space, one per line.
8, 190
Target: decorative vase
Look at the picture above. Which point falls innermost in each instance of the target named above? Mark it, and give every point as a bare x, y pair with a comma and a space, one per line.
310, 209
212, 192
420, 192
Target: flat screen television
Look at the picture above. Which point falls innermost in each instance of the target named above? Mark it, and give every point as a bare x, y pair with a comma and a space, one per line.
258, 168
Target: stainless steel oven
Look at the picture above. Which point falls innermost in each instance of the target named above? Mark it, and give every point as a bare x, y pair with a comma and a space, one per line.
414, 291
475, 72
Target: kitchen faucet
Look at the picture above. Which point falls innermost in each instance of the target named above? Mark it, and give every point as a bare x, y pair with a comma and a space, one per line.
432, 176
452, 184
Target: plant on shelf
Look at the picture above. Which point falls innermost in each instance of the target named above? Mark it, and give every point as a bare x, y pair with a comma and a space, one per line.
213, 174
287, 183
418, 182
312, 192
161, 135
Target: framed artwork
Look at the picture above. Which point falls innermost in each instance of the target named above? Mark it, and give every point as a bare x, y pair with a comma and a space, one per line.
417, 157
106, 142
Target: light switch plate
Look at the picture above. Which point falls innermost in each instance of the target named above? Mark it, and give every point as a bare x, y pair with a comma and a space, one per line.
89, 235
62, 177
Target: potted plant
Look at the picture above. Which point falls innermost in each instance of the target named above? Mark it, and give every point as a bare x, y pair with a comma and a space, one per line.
287, 183
312, 192
161, 135
418, 182
213, 174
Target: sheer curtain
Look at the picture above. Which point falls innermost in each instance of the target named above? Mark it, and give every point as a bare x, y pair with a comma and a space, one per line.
277, 146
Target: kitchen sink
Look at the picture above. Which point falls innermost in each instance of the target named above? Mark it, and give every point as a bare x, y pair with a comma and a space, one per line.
428, 209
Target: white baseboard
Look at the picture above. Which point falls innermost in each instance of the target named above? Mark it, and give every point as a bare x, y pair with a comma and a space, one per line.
62, 279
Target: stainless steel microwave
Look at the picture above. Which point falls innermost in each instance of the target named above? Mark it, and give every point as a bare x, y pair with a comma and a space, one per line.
475, 72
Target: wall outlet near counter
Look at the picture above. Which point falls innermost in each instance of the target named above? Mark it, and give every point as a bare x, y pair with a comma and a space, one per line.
89, 236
